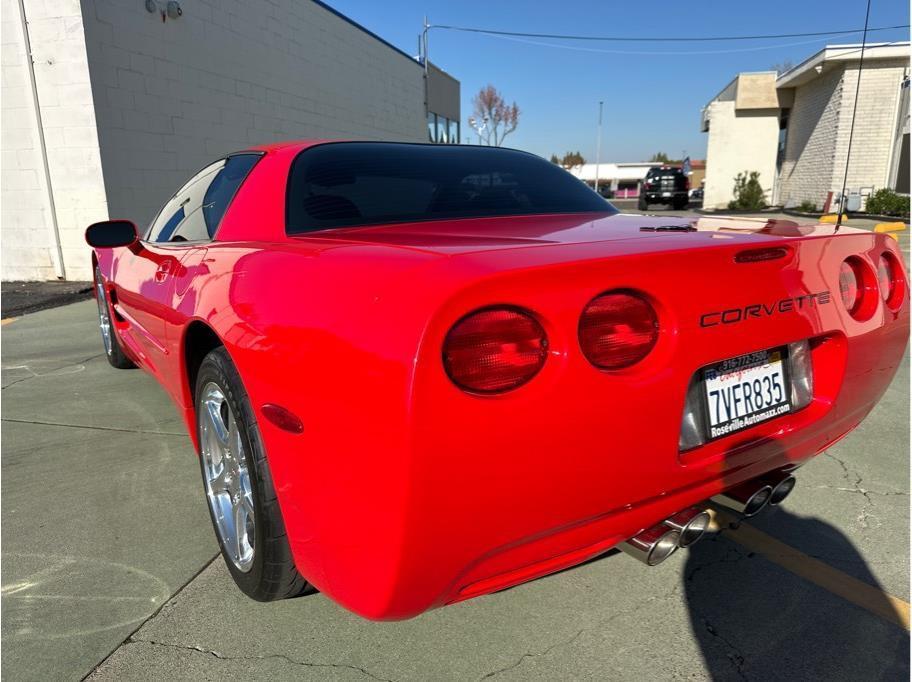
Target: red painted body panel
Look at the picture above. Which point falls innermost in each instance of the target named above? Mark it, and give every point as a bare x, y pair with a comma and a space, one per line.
404, 493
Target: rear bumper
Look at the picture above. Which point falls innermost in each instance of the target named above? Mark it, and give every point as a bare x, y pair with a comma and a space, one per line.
665, 196
480, 511
405, 493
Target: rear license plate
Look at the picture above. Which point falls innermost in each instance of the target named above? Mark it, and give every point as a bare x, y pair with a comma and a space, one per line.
745, 391
666, 194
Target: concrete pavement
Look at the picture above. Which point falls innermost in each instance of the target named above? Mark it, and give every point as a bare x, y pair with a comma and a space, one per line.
108, 549
103, 518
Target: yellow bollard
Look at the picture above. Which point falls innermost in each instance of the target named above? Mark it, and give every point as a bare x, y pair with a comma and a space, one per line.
890, 228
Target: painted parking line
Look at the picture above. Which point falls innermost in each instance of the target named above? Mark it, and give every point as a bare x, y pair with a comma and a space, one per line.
8, 320
868, 597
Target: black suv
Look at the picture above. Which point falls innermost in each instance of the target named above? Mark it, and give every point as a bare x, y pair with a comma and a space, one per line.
664, 185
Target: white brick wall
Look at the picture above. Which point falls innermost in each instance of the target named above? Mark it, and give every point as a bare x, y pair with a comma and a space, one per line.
68, 119
818, 133
131, 106
874, 123
24, 210
171, 97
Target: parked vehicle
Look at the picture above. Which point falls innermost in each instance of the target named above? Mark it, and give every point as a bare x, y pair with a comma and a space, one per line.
696, 194
664, 185
416, 374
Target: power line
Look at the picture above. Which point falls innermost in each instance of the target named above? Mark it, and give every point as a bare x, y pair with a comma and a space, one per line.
629, 39
662, 53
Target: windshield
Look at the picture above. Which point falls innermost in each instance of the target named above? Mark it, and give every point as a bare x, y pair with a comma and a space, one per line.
347, 184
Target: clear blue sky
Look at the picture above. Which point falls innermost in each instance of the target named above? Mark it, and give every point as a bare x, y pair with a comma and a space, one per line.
652, 100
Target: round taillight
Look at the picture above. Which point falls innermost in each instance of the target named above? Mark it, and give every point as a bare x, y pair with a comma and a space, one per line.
885, 277
494, 350
617, 329
851, 288
890, 281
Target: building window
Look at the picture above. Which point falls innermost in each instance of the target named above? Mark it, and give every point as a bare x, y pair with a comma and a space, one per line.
441, 130
783, 137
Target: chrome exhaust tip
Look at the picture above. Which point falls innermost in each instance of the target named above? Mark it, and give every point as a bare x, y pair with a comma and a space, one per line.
747, 499
782, 488
690, 523
653, 545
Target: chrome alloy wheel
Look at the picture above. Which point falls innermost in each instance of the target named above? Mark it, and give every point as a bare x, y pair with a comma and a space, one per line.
226, 477
104, 313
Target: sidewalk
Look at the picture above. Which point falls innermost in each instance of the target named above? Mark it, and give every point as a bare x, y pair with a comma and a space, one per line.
19, 298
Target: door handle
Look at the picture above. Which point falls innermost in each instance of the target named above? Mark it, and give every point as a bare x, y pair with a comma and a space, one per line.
163, 270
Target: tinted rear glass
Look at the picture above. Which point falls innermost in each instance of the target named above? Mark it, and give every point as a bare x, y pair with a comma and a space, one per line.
370, 183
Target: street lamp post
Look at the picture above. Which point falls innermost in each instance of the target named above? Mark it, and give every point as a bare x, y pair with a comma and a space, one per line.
598, 147
478, 126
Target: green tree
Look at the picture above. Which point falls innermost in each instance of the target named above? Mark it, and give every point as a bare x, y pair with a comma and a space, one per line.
660, 157
748, 191
554, 159
572, 159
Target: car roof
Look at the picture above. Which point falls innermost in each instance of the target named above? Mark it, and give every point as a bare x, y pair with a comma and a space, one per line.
285, 144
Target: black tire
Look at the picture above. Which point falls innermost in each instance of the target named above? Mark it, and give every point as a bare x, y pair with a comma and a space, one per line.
680, 204
273, 574
113, 350
642, 204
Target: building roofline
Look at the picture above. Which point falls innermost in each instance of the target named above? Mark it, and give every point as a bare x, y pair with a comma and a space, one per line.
733, 80
373, 35
849, 52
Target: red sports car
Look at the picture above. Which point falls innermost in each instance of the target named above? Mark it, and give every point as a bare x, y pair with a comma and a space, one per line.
416, 374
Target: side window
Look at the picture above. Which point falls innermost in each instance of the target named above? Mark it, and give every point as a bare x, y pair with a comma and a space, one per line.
195, 211
223, 188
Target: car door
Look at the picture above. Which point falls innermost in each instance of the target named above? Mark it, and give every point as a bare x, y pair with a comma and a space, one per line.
161, 264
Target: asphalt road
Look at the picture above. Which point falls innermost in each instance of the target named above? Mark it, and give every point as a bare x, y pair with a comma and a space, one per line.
110, 568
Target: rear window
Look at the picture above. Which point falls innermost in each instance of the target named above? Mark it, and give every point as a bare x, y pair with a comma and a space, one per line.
370, 183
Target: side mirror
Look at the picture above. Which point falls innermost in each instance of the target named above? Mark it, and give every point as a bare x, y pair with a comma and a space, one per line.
111, 233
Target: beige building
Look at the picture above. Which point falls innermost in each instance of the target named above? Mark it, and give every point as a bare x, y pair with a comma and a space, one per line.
743, 126
794, 128
109, 107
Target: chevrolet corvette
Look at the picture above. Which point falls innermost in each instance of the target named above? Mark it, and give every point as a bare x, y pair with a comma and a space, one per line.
416, 374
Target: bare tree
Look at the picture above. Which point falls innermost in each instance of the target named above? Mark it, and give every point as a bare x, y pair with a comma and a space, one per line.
781, 67
492, 118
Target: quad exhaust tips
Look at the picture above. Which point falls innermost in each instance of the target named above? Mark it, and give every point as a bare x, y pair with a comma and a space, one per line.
653, 545
752, 496
690, 523
656, 544
748, 498
782, 487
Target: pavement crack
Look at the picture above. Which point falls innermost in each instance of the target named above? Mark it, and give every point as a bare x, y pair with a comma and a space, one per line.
735, 655
854, 486
264, 657
91, 428
565, 642
543, 652
52, 373
862, 491
732, 555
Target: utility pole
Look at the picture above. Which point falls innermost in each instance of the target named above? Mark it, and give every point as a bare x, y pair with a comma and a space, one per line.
598, 146
423, 55
425, 34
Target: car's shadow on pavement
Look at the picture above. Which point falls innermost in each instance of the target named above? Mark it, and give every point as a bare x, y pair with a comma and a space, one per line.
754, 619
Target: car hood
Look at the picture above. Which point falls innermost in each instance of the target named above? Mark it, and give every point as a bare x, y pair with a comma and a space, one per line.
484, 234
